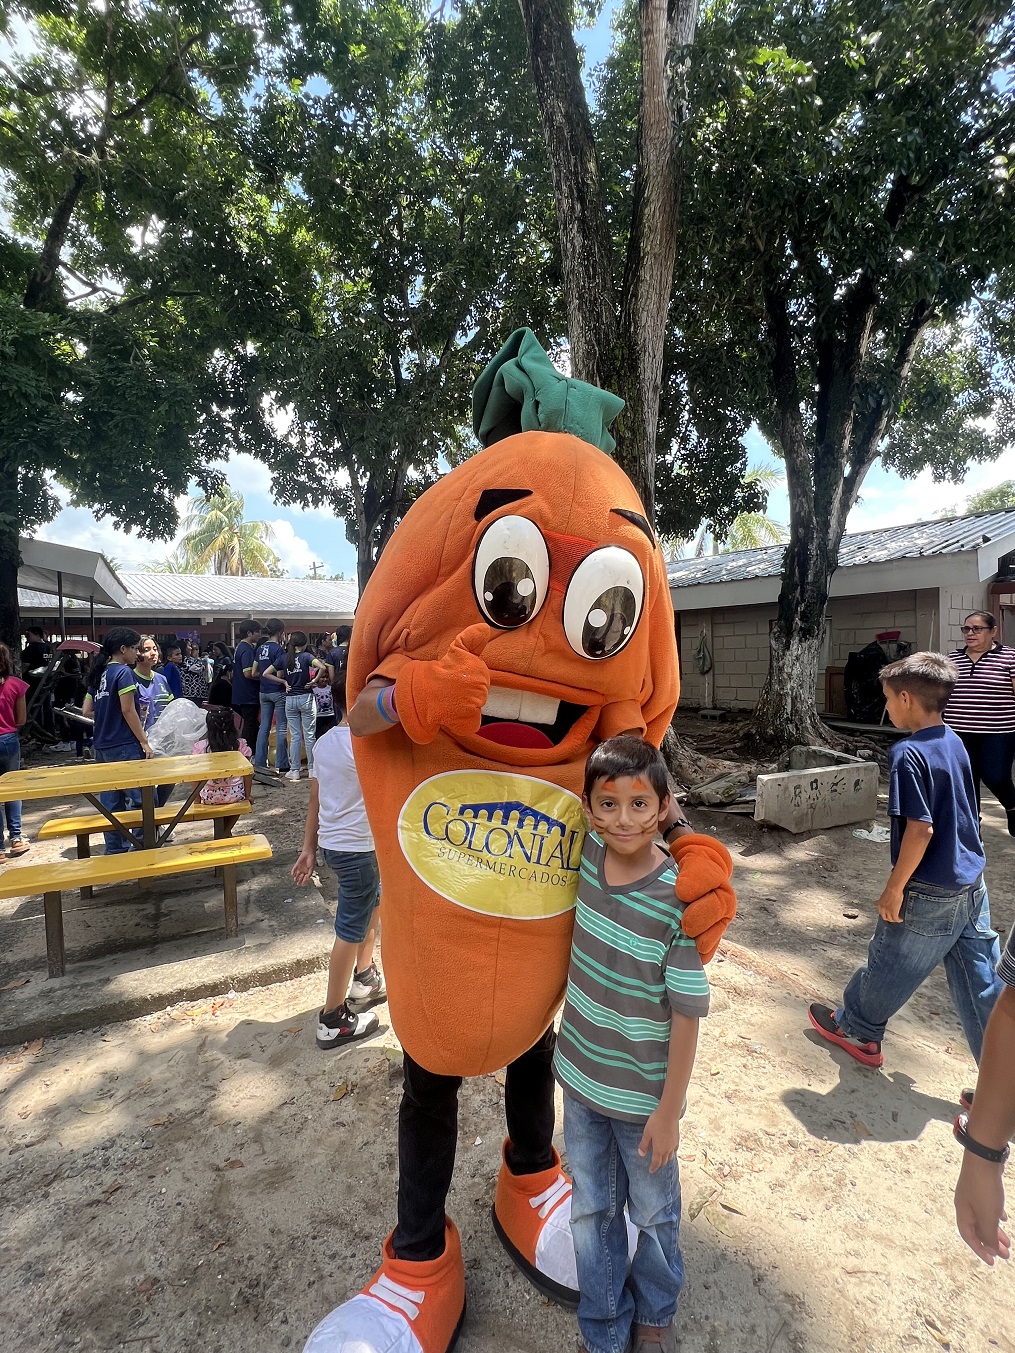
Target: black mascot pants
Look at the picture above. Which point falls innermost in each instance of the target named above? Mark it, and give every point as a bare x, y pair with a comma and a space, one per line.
428, 1136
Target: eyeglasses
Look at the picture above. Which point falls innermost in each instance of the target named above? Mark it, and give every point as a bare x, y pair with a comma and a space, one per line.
973, 629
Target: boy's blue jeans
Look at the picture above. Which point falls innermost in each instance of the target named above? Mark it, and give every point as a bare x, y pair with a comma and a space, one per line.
938, 926
607, 1174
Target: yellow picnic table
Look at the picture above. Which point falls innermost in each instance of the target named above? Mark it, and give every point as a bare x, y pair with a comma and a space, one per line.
92, 778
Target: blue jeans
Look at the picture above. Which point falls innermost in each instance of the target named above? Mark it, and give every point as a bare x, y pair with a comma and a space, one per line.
939, 925
272, 707
607, 1173
119, 800
10, 759
359, 891
301, 717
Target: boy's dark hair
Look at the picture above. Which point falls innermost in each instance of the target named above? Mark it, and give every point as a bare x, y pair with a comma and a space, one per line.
246, 627
222, 734
928, 677
628, 756
33, 631
343, 634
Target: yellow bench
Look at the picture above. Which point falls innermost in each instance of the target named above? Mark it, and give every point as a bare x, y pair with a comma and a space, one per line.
51, 880
91, 824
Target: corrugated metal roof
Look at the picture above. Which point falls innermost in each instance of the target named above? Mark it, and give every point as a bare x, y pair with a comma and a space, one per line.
953, 535
218, 594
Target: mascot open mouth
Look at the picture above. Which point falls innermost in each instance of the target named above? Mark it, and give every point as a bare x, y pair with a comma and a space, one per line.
527, 719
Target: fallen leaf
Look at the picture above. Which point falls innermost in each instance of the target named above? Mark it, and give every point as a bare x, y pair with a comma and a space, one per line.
851, 915
861, 1129
96, 1106
936, 1331
341, 1090
146, 1285
234, 1165
158, 1122
17, 982
714, 1071
721, 1220
24, 1113
702, 1199
294, 1029
500, 1077
218, 1245
36, 1045
731, 1207
110, 1189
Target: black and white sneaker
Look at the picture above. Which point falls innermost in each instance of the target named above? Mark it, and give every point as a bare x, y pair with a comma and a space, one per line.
367, 989
338, 1028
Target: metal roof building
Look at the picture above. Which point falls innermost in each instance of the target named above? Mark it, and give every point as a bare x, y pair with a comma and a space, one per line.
207, 605
962, 549
918, 581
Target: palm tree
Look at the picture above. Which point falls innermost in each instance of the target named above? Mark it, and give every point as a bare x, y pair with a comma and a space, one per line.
218, 540
748, 531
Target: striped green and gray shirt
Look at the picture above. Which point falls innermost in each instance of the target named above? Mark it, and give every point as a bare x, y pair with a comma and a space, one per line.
631, 965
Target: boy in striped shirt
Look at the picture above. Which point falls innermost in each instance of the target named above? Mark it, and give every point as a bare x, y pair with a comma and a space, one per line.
635, 992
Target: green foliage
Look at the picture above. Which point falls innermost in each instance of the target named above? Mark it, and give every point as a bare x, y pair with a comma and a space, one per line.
409, 235
848, 158
218, 540
995, 499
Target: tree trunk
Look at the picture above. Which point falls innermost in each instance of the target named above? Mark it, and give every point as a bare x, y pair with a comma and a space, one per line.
586, 244
10, 558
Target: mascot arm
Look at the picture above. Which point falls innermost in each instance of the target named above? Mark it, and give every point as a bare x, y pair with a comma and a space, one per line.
447, 693
705, 868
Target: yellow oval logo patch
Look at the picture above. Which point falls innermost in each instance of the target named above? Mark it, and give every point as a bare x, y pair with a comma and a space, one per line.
495, 842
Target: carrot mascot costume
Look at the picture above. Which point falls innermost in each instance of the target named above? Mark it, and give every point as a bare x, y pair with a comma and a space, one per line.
519, 615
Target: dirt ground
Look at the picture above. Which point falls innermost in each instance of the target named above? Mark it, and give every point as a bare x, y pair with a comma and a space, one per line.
204, 1179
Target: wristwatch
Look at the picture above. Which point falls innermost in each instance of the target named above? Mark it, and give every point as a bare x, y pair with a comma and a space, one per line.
680, 822
977, 1148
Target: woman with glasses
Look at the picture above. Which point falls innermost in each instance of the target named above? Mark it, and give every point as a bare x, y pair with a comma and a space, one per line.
982, 708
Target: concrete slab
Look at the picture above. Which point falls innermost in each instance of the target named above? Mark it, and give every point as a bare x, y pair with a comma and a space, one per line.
131, 952
822, 789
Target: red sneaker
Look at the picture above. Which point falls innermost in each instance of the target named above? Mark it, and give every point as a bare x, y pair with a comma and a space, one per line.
404, 1308
862, 1049
532, 1218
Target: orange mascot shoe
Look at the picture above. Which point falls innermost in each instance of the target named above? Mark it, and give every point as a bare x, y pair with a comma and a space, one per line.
404, 1308
532, 1218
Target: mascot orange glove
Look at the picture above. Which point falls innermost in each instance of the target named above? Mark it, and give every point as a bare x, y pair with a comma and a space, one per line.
705, 868
449, 693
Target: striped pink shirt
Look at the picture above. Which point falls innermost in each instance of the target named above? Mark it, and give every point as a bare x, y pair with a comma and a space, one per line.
983, 700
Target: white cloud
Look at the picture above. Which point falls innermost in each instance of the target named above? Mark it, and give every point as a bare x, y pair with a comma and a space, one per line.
294, 552
896, 502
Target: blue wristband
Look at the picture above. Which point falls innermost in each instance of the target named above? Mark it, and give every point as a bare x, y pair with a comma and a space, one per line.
380, 706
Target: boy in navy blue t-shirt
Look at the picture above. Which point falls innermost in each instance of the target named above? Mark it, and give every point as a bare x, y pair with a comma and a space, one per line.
934, 907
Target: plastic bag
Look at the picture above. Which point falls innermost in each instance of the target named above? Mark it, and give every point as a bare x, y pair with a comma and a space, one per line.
179, 726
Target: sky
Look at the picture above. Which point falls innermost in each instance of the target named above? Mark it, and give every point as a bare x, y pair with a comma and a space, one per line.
303, 538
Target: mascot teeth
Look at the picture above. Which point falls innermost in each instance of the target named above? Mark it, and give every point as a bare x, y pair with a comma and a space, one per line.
521, 706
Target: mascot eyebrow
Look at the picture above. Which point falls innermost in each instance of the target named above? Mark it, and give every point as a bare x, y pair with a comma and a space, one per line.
491, 499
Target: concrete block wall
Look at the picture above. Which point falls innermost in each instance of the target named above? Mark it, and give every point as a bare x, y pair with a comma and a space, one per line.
955, 605
856, 621
738, 638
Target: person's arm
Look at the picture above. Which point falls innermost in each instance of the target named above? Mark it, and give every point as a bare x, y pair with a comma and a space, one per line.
365, 717
662, 1131
271, 674
88, 706
133, 721
676, 819
307, 861
249, 672
979, 1194
915, 840
20, 712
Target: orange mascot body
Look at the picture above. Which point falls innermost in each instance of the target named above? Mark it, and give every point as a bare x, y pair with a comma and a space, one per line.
479, 834
519, 615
